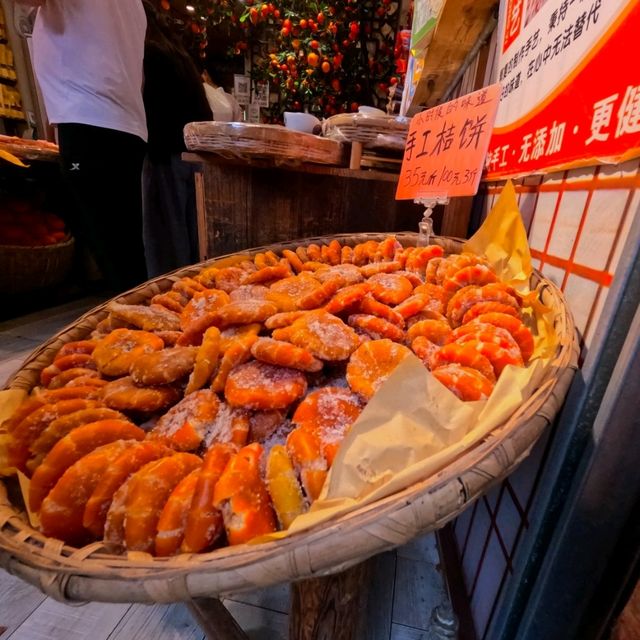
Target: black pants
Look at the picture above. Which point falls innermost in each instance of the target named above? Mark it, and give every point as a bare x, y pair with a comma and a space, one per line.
104, 168
170, 229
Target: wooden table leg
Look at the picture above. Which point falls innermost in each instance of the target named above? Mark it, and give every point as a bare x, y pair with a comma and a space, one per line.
331, 608
201, 216
215, 620
356, 155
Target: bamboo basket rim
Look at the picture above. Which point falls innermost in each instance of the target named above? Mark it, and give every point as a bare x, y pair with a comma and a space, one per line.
242, 140
89, 573
58, 245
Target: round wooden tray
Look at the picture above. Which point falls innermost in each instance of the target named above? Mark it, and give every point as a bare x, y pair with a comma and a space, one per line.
91, 574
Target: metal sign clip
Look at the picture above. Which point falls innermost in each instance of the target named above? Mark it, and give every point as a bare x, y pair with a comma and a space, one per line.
425, 226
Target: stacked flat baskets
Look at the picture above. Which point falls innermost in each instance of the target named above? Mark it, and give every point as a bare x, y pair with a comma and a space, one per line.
90, 574
241, 140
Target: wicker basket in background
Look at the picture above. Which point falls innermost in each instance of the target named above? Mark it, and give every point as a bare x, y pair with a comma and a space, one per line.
242, 140
375, 132
24, 269
91, 574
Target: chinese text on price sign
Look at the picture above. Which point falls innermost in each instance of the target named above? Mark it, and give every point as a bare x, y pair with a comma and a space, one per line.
446, 147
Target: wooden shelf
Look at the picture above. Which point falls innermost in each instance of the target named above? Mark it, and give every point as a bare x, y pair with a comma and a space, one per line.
305, 167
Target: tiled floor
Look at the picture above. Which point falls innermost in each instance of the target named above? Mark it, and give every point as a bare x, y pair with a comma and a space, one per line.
406, 585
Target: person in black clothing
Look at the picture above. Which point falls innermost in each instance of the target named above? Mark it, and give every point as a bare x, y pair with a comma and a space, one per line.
173, 96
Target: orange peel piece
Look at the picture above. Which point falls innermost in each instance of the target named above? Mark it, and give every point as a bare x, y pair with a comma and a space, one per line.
257, 385
372, 363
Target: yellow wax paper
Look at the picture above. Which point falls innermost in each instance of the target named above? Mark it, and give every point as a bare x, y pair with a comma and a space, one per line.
10, 400
414, 426
502, 238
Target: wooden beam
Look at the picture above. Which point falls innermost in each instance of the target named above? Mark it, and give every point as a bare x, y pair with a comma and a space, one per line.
331, 607
460, 25
214, 619
456, 216
201, 216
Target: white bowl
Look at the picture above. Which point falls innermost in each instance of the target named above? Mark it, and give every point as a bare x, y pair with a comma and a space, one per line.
304, 122
371, 111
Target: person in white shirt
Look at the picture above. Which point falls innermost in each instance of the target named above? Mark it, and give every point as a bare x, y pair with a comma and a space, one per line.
224, 106
88, 60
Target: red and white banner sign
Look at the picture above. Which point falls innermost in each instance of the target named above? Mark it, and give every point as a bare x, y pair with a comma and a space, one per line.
570, 86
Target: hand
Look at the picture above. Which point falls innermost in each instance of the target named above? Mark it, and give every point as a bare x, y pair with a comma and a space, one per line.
30, 3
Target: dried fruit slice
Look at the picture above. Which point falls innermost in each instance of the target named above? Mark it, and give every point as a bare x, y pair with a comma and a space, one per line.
25, 432
283, 486
468, 384
328, 413
467, 297
465, 355
437, 331
116, 352
305, 450
372, 363
242, 497
147, 496
71, 448
163, 367
114, 476
284, 354
375, 327
489, 307
203, 303
62, 510
257, 385
148, 318
206, 360
477, 274
124, 395
518, 330
185, 425
60, 427
324, 335
420, 258
497, 345
204, 521
173, 517
60, 364
390, 288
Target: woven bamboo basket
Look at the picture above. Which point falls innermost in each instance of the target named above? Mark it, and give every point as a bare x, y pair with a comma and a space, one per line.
373, 131
24, 269
30, 149
91, 574
242, 140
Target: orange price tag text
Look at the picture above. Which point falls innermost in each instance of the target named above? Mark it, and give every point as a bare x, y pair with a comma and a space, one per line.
446, 147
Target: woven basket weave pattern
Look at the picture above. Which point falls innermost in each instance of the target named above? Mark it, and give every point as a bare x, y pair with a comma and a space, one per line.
90, 574
238, 140
23, 269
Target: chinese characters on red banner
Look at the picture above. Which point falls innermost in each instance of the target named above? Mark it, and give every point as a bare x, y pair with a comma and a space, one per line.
570, 93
